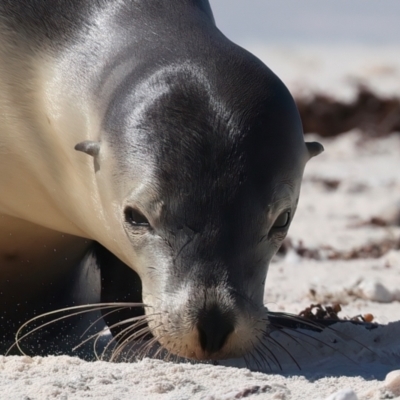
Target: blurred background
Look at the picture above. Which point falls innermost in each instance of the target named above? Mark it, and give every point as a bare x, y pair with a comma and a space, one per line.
326, 52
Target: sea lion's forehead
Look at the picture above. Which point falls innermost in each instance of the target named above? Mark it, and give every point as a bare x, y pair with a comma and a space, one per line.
204, 147
184, 115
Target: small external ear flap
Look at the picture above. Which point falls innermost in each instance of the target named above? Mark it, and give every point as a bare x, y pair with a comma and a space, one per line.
89, 147
314, 148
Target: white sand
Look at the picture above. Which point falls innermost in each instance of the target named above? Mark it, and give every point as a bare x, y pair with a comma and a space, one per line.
355, 365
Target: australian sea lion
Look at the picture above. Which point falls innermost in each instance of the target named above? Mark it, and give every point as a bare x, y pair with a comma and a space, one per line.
191, 177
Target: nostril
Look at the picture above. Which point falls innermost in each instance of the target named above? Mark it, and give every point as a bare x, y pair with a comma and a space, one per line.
212, 340
214, 328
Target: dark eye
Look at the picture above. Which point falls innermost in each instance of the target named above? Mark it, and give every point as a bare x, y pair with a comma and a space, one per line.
282, 221
135, 217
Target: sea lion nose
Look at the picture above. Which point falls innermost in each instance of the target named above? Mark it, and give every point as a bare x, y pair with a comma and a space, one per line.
214, 328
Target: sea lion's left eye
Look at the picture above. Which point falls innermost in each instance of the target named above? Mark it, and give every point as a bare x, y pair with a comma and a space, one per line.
135, 217
282, 221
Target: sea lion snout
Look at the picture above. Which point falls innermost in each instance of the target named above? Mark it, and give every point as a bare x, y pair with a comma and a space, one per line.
206, 323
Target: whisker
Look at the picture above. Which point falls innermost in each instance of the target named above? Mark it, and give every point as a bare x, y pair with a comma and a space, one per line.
138, 321
116, 352
315, 325
82, 309
147, 347
160, 349
262, 356
100, 318
283, 332
276, 343
246, 361
97, 334
299, 332
319, 327
259, 366
167, 358
302, 321
274, 358
132, 340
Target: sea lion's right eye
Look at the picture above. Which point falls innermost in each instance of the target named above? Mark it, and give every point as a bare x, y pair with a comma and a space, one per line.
135, 217
282, 221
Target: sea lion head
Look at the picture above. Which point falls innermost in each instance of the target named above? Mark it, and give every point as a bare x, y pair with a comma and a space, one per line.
203, 168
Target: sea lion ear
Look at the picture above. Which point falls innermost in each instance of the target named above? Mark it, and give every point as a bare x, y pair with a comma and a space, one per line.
89, 147
314, 148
